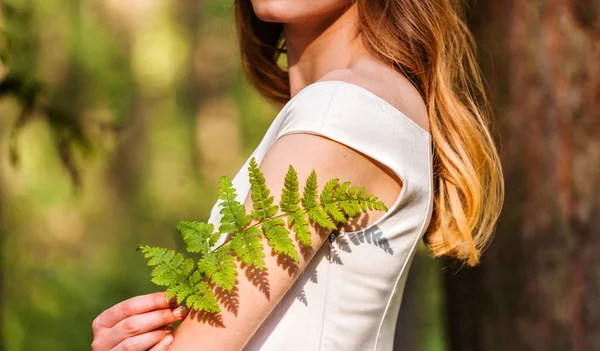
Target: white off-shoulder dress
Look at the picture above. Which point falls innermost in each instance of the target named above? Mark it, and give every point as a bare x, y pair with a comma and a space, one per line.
349, 295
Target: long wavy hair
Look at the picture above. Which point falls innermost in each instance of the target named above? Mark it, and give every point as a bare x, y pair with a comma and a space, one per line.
428, 42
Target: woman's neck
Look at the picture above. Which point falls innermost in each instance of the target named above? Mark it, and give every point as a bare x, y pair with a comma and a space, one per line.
315, 49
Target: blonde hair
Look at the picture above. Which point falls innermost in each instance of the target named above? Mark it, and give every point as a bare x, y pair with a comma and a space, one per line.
429, 43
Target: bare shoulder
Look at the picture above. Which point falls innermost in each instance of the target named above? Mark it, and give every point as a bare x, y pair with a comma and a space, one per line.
388, 84
332, 159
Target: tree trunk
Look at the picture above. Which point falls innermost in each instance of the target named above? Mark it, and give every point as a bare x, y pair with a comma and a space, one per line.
538, 287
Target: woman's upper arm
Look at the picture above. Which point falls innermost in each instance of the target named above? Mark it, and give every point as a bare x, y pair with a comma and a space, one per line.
253, 299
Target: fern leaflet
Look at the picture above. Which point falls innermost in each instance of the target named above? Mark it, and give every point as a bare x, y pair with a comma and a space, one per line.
198, 236
262, 201
279, 238
234, 214
248, 246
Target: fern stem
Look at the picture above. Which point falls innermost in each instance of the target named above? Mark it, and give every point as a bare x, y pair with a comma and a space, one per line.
254, 225
191, 273
223, 244
268, 219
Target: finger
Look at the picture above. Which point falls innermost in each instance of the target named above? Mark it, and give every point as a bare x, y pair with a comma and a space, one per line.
130, 307
143, 342
141, 324
164, 344
102, 343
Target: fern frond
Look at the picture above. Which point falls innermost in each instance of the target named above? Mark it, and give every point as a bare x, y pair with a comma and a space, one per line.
198, 236
290, 195
234, 214
170, 268
318, 215
279, 238
340, 193
181, 291
330, 197
299, 223
202, 298
289, 204
350, 207
195, 293
193, 282
309, 197
368, 202
248, 247
313, 208
328, 191
219, 268
373, 203
333, 210
260, 194
350, 203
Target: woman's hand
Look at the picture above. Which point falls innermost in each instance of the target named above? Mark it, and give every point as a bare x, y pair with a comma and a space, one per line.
138, 324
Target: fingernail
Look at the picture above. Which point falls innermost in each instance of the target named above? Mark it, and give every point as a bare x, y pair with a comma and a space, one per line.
168, 339
168, 327
171, 301
179, 312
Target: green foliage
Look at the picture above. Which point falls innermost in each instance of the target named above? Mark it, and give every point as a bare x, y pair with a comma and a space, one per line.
248, 246
263, 202
198, 236
219, 268
289, 204
90, 49
170, 268
193, 281
279, 238
234, 214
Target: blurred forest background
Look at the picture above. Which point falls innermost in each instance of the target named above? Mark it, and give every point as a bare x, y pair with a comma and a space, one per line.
118, 116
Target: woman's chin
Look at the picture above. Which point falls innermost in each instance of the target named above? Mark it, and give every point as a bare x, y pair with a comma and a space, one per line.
271, 10
296, 11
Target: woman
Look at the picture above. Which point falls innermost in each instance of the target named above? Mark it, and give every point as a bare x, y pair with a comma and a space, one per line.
382, 93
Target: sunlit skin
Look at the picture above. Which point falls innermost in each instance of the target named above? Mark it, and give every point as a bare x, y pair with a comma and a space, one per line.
298, 11
322, 45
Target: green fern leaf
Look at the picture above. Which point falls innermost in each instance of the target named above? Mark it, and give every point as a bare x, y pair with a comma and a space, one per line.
328, 191
279, 238
377, 204
360, 196
202, 298
318, 215
219, 268
248, 247
334, 211
309, 197
198, 236
290, 195
352, 191
181, 291
340, 193
170, 268
234, 214
350, 204
350, 207
260, 194
299, 223
289, 204
315, 211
